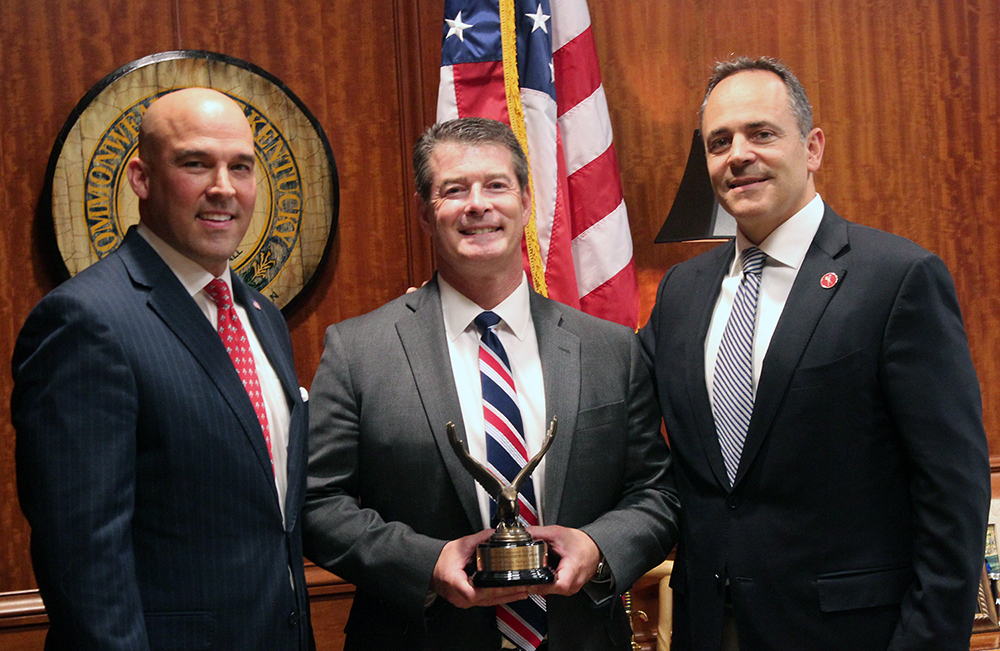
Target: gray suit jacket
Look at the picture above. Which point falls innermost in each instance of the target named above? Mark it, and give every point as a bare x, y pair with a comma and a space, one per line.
386, 492
142, 469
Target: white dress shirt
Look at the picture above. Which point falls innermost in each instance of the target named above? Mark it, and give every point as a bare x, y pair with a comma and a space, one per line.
786, 248
195, 278
516, 331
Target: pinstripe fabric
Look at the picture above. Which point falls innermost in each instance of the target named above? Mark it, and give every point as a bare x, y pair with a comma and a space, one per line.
732, 387
154, 514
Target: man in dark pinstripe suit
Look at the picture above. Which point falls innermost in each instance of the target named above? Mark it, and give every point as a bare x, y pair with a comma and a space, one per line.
164, 507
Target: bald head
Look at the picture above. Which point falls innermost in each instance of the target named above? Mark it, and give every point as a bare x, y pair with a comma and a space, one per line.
175, 112
194, 174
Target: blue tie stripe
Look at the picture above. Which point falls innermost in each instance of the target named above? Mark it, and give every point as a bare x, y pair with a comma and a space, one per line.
530, 616
732, 386
503, 403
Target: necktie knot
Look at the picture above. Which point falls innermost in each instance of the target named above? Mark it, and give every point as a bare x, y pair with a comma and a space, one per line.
753, 260
218, 291
486, 320
486, 323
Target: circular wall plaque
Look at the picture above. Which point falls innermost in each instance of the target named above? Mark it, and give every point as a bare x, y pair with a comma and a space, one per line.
295, 217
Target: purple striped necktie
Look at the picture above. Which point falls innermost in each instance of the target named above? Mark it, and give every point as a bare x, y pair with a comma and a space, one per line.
732, 385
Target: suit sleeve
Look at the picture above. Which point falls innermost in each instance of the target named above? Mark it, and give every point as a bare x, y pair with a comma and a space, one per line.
933, 397
641, 530
647, 333
74, 410
388, 559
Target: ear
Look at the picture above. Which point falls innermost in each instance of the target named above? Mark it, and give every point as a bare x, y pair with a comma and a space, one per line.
138, 177
425, 213
815, 142
526, 206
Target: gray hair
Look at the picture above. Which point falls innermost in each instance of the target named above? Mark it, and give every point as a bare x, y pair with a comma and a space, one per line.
797, 98
468, 131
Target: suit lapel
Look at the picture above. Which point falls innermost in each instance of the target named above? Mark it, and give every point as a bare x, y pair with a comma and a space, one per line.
559, 352
170, 301
803, 309
422, 336
284, 367
269, 339
707, 283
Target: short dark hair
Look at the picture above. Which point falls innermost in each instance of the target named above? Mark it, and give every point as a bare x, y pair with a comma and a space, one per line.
469, 131
797, 97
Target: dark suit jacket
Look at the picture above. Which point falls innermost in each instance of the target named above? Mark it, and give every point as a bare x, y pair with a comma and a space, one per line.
386, 491
143, 472
857, 517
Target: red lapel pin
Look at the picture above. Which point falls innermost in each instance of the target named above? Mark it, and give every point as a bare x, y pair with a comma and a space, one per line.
257, 305
828, 280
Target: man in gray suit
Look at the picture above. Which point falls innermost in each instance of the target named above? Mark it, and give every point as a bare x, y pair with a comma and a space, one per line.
389, 505
162, 485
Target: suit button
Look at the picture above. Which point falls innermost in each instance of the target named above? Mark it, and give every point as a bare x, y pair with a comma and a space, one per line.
733, 502
293, 619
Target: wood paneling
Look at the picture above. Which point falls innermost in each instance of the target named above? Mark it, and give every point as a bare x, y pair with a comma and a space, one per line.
355, 64
905, 91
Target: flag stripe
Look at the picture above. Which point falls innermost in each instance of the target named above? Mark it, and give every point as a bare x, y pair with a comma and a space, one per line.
570, 18
576, 63
479, 90
587, 131
622, 290
559, 267
602, 251
595, 200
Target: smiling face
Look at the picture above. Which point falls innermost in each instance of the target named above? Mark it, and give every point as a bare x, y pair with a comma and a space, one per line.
761, 167
194, 175
476, 215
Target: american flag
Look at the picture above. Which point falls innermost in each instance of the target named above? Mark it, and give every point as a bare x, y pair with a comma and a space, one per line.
533, 65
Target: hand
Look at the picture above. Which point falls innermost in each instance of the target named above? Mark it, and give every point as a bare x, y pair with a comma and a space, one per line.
410, 290
452, 583
578, 554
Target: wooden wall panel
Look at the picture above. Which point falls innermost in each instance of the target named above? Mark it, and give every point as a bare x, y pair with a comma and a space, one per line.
345, 62
905, 90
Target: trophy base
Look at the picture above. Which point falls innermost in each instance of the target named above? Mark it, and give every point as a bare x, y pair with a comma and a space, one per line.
500, 566
513, 577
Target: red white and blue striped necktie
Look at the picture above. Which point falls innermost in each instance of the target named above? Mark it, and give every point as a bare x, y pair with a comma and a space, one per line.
523, 623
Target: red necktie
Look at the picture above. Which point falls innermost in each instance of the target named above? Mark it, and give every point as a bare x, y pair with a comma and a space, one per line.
238, 347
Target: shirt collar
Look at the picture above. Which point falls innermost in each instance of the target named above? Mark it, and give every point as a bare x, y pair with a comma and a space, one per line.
192, 275
459, 312
788, 244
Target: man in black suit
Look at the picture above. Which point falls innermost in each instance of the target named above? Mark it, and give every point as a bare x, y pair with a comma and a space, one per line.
391, 507
163, 485
830, 451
